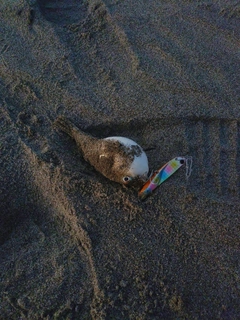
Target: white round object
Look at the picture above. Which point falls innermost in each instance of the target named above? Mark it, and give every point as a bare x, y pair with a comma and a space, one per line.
139, 166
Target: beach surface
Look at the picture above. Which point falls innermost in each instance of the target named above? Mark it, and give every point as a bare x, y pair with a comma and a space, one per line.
74, 245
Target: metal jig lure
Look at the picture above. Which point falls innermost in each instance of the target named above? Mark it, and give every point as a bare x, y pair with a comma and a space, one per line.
159, 176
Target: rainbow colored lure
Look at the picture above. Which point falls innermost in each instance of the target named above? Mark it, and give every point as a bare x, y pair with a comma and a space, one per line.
160, 176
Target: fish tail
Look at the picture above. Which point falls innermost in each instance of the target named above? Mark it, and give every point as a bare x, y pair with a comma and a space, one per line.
81, 138
64, 125
67, 126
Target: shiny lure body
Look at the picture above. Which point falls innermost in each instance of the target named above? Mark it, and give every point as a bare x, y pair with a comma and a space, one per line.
160, 176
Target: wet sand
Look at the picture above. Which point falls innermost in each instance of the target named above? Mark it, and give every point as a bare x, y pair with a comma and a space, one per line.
74, 245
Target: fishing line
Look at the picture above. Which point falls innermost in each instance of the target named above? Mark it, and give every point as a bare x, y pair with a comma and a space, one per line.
188, 163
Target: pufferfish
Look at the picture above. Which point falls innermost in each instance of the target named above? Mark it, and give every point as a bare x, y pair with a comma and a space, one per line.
118, 158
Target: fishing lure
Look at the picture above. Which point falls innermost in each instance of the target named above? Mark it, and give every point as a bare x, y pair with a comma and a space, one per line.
159, 176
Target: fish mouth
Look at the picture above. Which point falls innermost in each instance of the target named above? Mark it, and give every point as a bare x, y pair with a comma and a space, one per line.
137, 182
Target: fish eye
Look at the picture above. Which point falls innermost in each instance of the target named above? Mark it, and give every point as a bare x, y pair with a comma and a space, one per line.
127, 179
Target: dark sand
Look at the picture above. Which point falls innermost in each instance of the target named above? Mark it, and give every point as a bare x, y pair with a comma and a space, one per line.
77, 246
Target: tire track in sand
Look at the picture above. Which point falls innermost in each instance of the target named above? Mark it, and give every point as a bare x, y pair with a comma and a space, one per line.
215, 147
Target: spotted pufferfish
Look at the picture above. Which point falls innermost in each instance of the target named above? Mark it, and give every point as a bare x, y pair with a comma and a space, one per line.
119, 159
